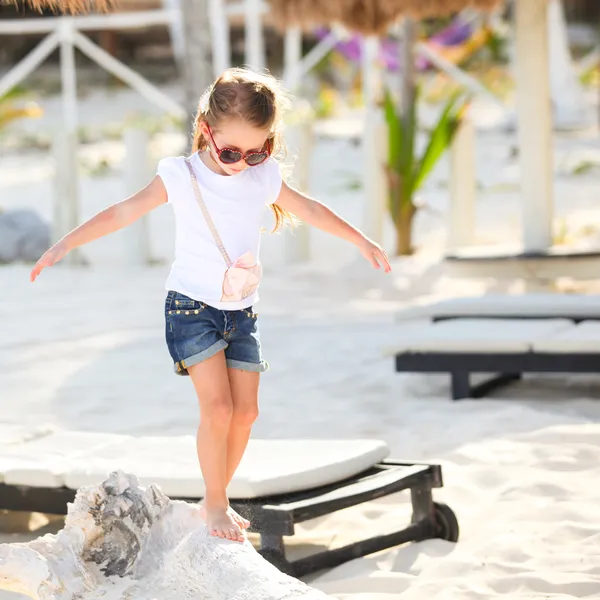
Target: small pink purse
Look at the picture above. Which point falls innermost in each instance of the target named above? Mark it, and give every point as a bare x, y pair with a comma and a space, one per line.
242, 275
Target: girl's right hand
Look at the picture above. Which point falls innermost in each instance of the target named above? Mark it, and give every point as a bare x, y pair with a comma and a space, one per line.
50, 257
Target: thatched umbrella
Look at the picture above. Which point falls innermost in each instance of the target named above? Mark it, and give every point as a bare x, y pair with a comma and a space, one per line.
68, 6
366, 16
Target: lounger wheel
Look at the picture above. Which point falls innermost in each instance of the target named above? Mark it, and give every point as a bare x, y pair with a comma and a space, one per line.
277, 559
446, 522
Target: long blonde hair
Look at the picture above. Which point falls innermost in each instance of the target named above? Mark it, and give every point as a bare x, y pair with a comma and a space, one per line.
256, 98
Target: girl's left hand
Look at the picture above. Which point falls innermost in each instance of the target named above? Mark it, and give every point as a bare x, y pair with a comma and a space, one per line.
375, 254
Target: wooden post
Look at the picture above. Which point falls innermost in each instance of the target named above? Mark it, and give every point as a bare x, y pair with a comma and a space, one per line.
198, 68
66, 210
299, 142
68, 75
255, 46
292, 56
66, 188
219, 22
461, 231
374, 137
136, 176
176, 34
535, 123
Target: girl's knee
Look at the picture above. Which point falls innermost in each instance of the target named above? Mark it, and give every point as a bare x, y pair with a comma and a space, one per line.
219, 411
244, 416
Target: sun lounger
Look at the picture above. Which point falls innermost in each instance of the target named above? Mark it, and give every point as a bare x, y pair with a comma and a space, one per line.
279, 483
508, 347
575, 307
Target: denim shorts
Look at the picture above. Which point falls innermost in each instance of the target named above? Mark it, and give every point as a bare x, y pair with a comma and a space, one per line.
196, 331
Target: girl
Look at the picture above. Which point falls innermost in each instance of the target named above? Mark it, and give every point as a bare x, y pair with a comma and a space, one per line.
218, 195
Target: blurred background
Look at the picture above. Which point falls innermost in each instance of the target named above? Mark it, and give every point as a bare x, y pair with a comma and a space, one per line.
89, 106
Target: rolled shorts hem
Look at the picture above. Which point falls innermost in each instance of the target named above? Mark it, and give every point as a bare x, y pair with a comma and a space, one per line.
181, 367
243, 365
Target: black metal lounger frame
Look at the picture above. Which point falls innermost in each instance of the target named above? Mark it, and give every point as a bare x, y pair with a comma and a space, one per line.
510, 366
274, 517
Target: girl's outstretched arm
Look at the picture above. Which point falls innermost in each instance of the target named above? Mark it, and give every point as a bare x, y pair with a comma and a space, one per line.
111, 219
318, 215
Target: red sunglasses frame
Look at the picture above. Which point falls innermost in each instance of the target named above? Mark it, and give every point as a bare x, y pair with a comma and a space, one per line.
243, 157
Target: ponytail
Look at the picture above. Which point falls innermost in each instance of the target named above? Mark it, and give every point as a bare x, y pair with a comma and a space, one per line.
198, 141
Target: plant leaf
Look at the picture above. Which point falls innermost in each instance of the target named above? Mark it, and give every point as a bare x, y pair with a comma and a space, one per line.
409, 159
394, 131
441, 137
394, 163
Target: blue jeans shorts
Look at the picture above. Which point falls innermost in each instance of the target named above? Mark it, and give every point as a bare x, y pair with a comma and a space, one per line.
196, 331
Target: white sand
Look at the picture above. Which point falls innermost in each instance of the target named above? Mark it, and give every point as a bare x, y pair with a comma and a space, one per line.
519, 468
84, 349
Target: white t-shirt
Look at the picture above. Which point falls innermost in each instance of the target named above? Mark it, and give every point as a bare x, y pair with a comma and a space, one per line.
235, 204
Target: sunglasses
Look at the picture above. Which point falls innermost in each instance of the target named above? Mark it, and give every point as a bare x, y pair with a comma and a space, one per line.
229, 156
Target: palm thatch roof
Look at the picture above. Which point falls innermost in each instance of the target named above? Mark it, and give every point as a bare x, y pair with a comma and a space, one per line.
68, 6
365, 16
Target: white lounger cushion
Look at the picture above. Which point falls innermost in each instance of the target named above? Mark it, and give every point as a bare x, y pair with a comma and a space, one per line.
524, 305
43, 461
480, 335
581, 338
269, 467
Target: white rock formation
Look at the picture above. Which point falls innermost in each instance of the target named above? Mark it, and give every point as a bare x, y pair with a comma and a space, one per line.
121, 540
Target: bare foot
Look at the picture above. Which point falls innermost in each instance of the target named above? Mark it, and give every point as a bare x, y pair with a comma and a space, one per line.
241, 522
221, 523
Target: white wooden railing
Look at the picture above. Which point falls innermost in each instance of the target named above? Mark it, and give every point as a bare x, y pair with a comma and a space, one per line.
66, 34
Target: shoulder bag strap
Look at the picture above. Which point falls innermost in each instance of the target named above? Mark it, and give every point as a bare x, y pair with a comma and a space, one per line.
204, 210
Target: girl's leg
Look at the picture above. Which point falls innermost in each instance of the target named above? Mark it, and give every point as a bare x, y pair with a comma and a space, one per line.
216, 409
244, 394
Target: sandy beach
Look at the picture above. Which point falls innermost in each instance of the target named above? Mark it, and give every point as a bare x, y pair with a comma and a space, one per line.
519, 467
83, 348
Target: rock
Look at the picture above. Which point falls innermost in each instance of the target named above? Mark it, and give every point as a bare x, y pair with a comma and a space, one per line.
9, 241
23, 236
121, 540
